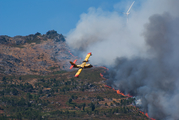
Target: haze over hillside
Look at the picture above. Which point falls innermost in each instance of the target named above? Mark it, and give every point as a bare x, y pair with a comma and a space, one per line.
33, 54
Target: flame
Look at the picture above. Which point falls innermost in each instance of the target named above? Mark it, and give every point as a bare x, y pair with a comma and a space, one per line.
102, 76
146, 114
119, 92
104, 68
128, 95
149, 117
74, 56
104, 72
108, 86
71, 54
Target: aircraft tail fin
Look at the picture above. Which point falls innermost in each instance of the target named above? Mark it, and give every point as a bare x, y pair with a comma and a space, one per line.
73, 64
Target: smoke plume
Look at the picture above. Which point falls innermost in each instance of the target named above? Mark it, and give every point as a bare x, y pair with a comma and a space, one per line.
142, 54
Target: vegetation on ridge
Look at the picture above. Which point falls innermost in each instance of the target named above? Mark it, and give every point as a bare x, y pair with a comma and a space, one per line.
59, 96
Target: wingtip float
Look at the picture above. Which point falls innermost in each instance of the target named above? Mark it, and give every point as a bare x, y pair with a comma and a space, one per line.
81, 66
76, 75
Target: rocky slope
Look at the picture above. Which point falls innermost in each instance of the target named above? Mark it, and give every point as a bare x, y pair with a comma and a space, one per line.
33, 54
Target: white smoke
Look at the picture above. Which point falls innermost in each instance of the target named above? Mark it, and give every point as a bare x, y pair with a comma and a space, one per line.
108, 35
143, 52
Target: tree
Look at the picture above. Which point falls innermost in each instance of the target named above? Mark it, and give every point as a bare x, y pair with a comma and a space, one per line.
19, 116
84, 104
52, 91
14, 91
22, 102
124, 110
29, 96
72, 96
111, 104
56, 90
2, 92
70, 100
100, 98
28, 87
96, 112
82, 89
72, 79
40, 91
92, 106
4, 79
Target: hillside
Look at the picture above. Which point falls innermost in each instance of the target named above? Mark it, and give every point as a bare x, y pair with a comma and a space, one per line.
33, 54
60, 96
35, 83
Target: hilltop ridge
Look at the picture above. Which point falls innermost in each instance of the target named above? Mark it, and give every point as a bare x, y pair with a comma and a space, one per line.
33, 54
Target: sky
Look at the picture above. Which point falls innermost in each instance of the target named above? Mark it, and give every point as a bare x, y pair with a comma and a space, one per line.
24, 17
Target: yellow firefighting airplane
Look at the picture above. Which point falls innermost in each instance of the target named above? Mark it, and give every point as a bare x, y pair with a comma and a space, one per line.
83, 65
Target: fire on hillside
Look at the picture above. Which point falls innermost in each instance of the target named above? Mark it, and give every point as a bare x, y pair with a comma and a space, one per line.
120, 93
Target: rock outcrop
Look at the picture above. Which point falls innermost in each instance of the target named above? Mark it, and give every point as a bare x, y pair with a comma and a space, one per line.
34, 54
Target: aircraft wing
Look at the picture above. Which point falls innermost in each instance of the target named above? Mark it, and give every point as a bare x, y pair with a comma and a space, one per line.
87, 57
78, 72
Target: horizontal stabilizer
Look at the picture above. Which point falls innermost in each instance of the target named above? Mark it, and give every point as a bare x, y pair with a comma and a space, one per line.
73, 64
